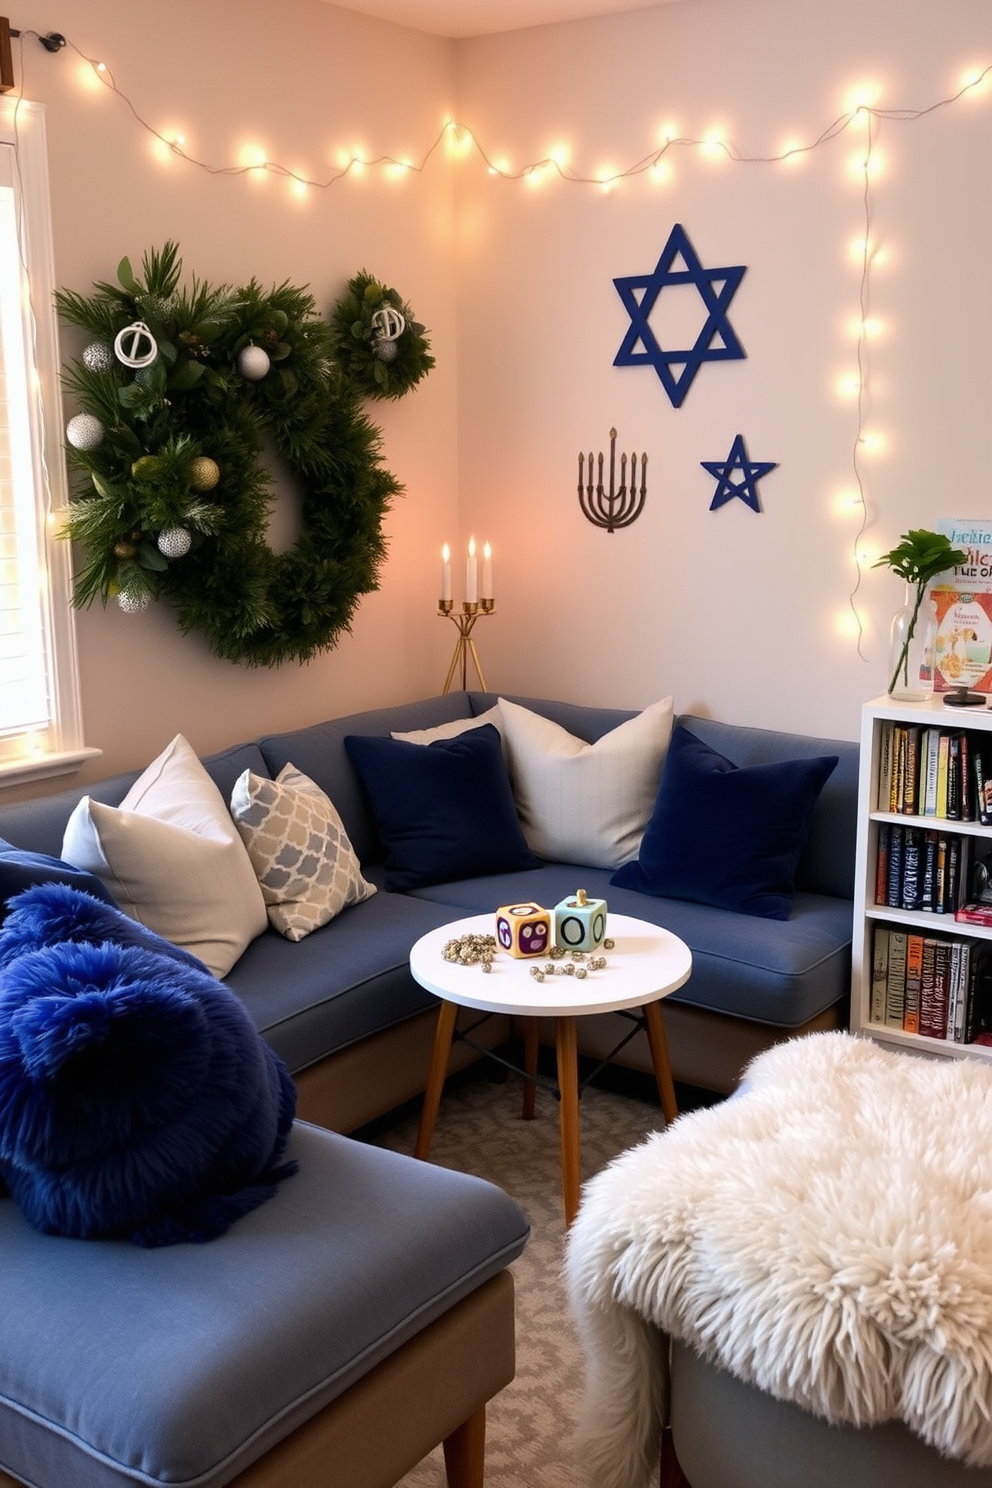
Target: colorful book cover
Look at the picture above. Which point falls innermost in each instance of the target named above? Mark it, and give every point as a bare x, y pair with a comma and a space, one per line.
914, 977
963, 596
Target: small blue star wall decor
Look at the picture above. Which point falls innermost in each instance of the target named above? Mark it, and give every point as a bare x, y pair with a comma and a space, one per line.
726, 471
716, 341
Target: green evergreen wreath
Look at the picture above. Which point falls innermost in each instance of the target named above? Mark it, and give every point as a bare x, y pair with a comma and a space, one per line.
175, 494
383, 365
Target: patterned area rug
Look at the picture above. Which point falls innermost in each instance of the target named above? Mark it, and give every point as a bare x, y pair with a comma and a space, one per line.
479, 1130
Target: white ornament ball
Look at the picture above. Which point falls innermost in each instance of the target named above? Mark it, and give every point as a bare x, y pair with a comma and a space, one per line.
174, 542
253, 363
98, 357
85, 431
135, 345
133, 601
385, 350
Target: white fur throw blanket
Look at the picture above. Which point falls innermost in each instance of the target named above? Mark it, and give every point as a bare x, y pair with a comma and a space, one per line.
825, 1236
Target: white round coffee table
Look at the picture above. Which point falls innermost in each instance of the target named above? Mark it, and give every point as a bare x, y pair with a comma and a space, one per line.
645, 964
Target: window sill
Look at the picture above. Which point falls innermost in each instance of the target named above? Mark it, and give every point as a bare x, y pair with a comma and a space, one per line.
41, 766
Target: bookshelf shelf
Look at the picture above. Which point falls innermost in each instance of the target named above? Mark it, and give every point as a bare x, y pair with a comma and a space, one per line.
930, 863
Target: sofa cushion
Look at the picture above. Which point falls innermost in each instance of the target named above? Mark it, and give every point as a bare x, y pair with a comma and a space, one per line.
349, 979
779, 972
299, 850
222, 1350
444, 810
727, 836
585, 803
172, 858
21, 869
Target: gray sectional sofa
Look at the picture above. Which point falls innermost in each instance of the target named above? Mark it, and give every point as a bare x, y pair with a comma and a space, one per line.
342, 1009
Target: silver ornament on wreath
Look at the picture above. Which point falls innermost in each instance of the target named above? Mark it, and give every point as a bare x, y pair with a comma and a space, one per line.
133, 601
252, 362
174, 542
98, 357
388, 323
84, 431
135, 345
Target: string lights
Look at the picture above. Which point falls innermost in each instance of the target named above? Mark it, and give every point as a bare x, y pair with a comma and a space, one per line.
460, 141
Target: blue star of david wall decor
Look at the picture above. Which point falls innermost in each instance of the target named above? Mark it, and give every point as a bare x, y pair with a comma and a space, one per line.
750, 472
716, 341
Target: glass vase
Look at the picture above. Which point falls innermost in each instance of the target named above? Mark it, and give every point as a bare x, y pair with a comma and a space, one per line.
912, 640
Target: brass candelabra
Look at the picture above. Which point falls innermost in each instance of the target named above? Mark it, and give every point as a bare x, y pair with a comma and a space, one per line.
471, 611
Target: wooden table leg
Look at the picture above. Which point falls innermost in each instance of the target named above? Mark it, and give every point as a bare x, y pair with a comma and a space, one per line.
531, 1034
658, 1044
568, 1090
446, 1018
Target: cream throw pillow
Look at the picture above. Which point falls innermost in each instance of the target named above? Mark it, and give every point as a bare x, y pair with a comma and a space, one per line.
453, 729
172, 858
585, 803
299, 849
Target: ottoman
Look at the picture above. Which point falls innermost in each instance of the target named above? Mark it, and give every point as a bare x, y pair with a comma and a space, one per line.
333, 1336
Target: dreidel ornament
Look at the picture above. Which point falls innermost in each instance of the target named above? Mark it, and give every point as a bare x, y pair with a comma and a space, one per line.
580, 923
524, 930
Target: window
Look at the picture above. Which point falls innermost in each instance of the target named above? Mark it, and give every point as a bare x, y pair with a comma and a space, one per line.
40, 713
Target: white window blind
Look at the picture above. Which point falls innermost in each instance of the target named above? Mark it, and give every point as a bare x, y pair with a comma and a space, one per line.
24, 693
40, 712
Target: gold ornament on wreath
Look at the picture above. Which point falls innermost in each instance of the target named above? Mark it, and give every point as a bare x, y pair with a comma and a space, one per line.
172, 495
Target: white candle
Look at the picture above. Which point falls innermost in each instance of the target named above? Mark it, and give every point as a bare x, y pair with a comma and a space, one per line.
445, 573
487, 571
472, 575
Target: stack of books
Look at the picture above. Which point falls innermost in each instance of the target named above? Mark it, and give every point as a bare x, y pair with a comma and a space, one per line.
933, 771
932, 985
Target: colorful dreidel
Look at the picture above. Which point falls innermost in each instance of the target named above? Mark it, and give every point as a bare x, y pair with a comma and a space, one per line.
524, 930
580, 922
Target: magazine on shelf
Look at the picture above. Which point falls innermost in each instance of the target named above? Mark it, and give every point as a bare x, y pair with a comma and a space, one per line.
963, 597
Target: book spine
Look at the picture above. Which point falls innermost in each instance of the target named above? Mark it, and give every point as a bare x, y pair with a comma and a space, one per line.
957, 1020
898, 766
940, 876
929, 873
879, 973
895, 981
914, 974
983, 789
911, 777
967, 780
953, 812
911, 869
941, 988
882, 863
953, 882
884, 767
926, 985
930, 752
943, 745
893, 889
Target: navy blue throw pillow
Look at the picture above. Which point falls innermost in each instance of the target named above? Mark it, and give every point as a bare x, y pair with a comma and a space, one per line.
20, 869
727, 836
444, 810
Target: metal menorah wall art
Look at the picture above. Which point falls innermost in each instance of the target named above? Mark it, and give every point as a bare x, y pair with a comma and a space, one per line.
617, 507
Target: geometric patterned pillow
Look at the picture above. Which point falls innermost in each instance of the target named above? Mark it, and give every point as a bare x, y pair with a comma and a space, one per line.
299, 849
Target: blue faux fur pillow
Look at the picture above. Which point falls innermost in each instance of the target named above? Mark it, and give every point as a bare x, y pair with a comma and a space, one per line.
136, 1097
50, 913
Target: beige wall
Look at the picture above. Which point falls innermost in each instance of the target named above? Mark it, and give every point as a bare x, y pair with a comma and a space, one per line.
734, 612
737, 613
301, 80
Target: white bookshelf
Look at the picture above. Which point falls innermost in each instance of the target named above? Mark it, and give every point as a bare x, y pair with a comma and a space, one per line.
868, 914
